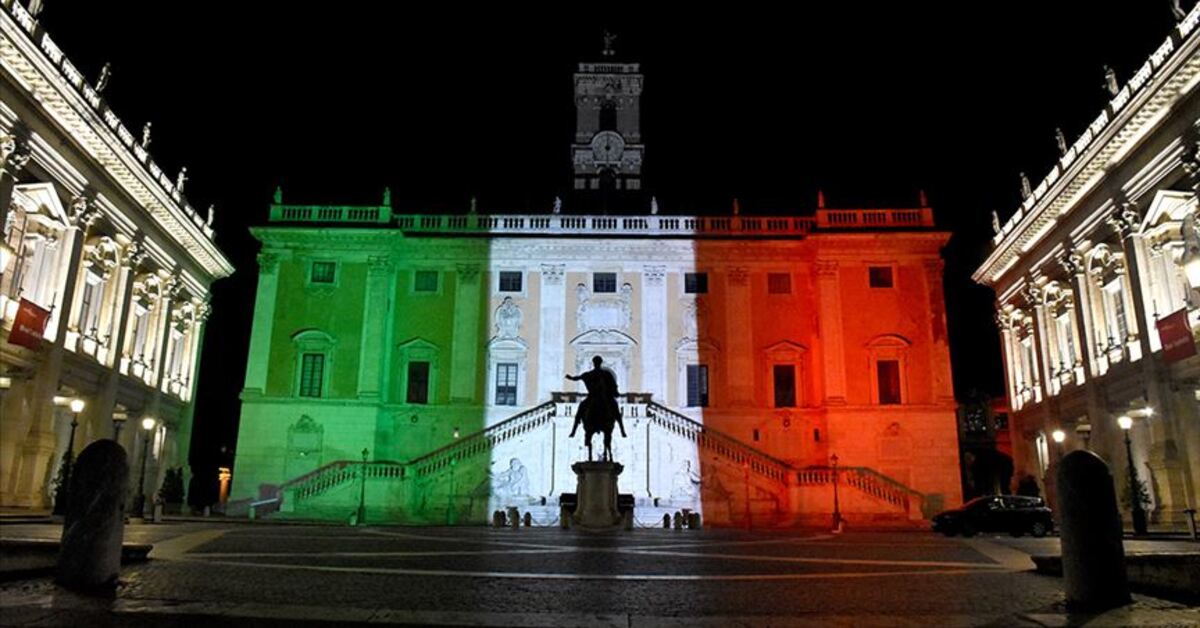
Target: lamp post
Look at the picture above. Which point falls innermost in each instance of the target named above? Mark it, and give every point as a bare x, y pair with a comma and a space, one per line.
139, 502
837, 509
1135, 496
118, 421
64, 495
362, 491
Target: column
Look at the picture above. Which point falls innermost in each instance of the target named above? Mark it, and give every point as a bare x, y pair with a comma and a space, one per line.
38, 445
14, 154
654, 332
100, 409
183, 435
174, 288
739, 324
551, 331
264, 322
464, 378
377, 308
1072, 263
833, 354
1041, 348
943, 384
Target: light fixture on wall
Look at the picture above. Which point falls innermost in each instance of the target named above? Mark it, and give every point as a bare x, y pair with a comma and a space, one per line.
1059, 436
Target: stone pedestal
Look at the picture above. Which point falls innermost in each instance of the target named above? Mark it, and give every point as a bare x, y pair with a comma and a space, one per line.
597, 495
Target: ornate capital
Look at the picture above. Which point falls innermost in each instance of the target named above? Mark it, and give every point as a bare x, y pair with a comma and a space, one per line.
15, 150
739, 275
135, 253
83, 211
654, 275
468, 273
268, 263
552, 274
1072, 262
1125, 218
379, 264
826, 269
1032, 294
1191, 163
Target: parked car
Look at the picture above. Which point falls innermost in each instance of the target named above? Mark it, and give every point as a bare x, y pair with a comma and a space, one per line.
1014, 514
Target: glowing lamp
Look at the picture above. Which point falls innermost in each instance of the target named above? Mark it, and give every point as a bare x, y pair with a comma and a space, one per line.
1125, 422
77, 405
456, 432
1059, 436
1147, 411
148, 423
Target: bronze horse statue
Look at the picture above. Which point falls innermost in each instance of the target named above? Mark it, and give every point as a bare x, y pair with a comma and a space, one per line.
599, 411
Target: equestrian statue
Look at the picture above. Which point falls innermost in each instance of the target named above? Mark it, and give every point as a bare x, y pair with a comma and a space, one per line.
599, 411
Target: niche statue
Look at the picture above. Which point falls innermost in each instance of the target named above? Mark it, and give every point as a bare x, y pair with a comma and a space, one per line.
599, 411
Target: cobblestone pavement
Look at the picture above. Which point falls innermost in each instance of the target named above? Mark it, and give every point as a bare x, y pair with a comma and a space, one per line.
259, 574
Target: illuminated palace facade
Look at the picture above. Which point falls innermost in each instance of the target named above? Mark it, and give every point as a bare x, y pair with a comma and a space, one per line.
1097, 280
104, 279
418, 361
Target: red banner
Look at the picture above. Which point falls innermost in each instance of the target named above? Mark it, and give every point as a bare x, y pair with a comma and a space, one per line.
30, 326
1176, 336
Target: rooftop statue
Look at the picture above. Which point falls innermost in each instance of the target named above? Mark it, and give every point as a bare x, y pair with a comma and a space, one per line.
557, 205
105, 74
146, 136
995, 222
1061, 140
609, 38
599, 411
1110, 81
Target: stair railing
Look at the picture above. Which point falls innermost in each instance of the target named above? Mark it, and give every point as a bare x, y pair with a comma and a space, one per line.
484, 440
720, 443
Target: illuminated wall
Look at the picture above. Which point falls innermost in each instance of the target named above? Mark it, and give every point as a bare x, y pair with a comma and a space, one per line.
498, 309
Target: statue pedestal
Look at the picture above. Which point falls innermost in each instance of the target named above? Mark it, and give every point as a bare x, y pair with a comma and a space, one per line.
596, 492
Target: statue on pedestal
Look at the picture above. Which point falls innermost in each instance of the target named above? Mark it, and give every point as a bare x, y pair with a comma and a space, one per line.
599, 412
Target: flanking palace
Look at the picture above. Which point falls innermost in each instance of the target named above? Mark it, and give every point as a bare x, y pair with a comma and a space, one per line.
1097, 281
410, 367
105, 271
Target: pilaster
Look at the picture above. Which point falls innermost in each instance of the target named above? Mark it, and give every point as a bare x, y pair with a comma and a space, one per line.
830, 331
464, 377
739, 324
654, 332
551, 332
264, 322
377, 308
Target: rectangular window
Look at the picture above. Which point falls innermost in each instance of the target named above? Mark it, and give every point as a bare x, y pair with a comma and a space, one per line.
604, 282
1066, 340
140, 326
323, 272
785, 385
510, 281
697, 385
779, 283
880, 276
695, 283
175, 366
90, 305
312, 374
506, 384
425, 281
418, 382
888, 374
1116, 299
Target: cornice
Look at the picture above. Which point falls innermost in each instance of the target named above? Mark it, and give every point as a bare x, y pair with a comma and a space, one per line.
32, 70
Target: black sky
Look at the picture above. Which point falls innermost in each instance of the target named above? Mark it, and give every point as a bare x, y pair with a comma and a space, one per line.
335, 101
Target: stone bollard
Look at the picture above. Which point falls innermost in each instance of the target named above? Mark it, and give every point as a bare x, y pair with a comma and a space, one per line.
694, 520
208, 511
564, 517
628, 520
678, 520
157, 517
514, 517
666, 521
89, 558
528, 519
1093, 556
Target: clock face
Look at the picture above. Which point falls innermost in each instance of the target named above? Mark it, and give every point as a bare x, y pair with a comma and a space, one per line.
608, 146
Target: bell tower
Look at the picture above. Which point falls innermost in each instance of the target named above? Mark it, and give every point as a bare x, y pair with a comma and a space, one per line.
607, 152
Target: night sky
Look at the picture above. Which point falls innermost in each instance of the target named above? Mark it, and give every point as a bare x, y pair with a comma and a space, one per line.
335, 101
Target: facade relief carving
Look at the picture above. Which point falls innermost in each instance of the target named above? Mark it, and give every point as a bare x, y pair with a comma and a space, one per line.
508, 319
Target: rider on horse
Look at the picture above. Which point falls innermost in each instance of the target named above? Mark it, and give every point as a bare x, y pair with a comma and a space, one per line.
599, 411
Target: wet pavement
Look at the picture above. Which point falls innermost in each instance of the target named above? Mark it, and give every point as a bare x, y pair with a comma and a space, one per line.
214, 573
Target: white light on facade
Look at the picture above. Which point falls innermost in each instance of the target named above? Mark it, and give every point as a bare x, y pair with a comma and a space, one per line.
148, 423
1059, 436
77, 405
1125, 422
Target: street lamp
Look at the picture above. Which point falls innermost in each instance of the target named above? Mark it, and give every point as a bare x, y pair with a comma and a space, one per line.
64, 496
1059, 436
1135, 496
362, 493
139, 503
837, 510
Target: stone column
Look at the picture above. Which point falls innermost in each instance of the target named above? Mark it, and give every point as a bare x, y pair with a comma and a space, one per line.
551, 331
264, 322
466, 344
654, 332
39, 443
739, 323
1072, 263
833, 353
14, 154
1163, 456
943, 385
377, 308
100, 410
1041, 349
174, 288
